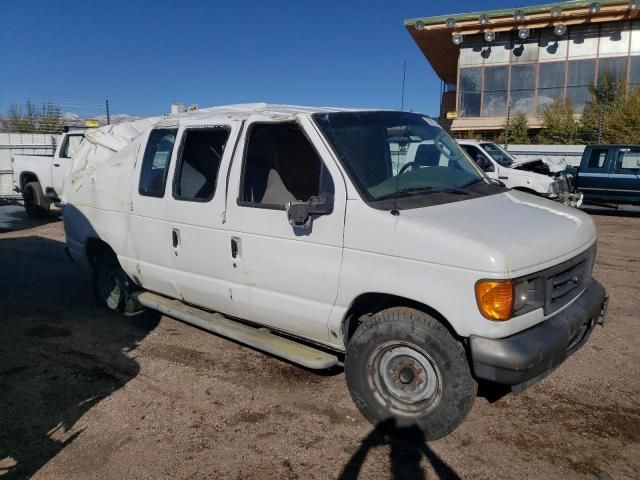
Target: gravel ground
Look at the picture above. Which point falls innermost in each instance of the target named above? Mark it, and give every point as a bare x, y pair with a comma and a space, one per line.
85, 393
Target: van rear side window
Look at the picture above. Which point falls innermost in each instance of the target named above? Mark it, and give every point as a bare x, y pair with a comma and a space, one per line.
155, 164
200, 157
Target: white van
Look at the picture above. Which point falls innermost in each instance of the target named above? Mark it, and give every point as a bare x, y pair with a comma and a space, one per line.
318, 235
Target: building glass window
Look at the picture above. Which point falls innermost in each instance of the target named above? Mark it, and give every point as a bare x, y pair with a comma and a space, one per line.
470, 88
494, 99
523, 89
583, 41
525, 51
635, 38
498, 51
471, 53
551, 78
615, 67
614, 39
634, 73
580, 76
552, 48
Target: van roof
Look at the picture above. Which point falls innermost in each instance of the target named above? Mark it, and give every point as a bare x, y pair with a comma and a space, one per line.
245, 110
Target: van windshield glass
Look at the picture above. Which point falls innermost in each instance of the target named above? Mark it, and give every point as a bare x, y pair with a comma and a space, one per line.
395, 155
498, 154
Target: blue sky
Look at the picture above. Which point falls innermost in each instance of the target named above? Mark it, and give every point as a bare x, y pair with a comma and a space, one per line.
144, 54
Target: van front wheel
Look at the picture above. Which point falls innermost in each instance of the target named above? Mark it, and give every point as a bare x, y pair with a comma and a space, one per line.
403, 366
112, 286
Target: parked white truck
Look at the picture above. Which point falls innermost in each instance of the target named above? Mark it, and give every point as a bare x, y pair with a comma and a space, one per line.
297, 231
536, 176
39, 178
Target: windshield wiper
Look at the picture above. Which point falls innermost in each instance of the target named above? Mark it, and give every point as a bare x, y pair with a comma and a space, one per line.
422, 191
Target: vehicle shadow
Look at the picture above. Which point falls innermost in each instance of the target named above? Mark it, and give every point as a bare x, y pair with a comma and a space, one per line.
407, 447
60, 353
13, 217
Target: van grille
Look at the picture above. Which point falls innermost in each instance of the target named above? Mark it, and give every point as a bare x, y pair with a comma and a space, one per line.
565, 281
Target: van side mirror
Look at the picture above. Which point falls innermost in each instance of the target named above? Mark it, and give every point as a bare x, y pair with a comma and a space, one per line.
300, 213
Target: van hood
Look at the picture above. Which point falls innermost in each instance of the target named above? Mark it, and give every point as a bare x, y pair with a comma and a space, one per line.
509, 234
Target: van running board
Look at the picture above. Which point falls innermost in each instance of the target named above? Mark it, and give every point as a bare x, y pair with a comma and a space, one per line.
258, 338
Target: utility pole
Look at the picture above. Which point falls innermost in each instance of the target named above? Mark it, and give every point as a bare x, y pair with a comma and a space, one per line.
507, 126
404, 76
106, 106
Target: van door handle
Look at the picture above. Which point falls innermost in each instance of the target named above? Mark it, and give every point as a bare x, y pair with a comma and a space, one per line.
175, 236
234, 248
56, 164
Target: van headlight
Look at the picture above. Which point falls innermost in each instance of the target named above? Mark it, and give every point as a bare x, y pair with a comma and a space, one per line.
498, 300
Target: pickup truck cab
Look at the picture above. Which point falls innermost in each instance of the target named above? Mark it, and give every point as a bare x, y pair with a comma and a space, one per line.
39, 178
324, 237
609, 175
532, 176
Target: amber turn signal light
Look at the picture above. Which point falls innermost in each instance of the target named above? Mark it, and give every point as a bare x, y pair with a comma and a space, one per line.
495, 299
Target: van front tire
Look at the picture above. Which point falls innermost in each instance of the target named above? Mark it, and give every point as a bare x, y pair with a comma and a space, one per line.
404, 368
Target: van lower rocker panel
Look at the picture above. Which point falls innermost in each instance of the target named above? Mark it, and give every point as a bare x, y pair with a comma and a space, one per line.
257, 338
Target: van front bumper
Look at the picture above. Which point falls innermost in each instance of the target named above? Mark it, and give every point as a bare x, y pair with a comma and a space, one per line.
527, 357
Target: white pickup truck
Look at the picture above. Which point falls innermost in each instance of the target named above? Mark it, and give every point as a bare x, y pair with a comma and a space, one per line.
314, 234
532, 176
40, 177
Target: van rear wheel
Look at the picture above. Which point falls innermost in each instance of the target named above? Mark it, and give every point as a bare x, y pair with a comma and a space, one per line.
402, 365
112, 286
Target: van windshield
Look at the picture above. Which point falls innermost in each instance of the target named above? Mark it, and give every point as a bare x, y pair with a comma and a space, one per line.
498, 154
402, 160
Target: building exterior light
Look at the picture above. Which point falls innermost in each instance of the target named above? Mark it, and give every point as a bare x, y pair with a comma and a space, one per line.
523, 33
560, 29
451, 22
594, 8
457, 38
484, 19
519, 15
489, 36
634, 5
419, 25
556, 12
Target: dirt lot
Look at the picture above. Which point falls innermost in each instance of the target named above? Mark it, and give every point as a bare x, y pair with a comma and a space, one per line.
89, 394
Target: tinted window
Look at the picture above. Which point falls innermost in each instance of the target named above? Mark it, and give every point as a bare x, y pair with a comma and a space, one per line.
597, 158
155, 164
200, 158
282, 166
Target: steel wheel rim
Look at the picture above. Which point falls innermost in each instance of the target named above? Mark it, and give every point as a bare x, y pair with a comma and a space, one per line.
404, 379
109, 288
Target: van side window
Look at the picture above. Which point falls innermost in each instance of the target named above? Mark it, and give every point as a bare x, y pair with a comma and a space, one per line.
598, 158
281, 166
155, 164
199, 163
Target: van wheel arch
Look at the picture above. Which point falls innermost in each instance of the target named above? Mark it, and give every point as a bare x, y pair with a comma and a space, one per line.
368, 304
96, 248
